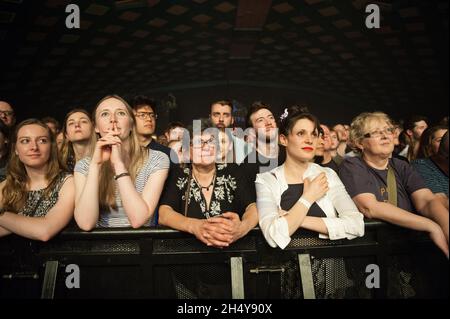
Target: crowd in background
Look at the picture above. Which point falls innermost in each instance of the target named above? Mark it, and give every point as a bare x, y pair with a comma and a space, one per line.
286, 172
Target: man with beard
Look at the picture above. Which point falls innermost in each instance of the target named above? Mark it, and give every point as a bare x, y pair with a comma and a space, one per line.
266, 154
221, 117
413, 127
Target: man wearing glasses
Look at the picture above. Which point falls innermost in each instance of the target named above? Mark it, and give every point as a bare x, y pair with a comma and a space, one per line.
145, 112
7, 114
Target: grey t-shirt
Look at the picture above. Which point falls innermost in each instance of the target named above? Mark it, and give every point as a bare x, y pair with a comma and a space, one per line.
118, 218
360, 178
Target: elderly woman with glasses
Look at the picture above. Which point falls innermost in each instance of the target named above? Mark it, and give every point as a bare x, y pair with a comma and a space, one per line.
387, 188
212, 201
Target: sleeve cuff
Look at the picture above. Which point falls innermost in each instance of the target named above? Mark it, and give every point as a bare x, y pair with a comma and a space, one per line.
277, 233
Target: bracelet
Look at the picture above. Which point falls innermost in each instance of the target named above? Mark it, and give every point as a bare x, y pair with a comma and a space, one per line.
305, 202
116, 177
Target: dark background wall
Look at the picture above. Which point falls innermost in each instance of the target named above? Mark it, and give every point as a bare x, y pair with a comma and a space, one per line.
314, 52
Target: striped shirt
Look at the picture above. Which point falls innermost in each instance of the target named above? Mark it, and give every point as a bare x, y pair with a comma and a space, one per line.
434, 178
118, 218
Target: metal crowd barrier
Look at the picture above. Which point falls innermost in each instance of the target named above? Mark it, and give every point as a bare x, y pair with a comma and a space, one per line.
388, 262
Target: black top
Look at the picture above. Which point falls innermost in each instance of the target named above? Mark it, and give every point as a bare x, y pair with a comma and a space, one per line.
359, 178
232, 193
3, 164
331, 164
292, 195
256, 163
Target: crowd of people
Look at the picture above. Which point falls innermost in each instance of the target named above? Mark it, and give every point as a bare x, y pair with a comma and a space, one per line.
287, 173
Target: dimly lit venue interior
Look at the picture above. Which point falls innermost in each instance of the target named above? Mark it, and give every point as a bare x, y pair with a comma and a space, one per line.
224, 150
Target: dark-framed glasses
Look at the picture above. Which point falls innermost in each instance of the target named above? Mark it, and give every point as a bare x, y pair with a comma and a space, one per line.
146, 115
201, 143
7, 113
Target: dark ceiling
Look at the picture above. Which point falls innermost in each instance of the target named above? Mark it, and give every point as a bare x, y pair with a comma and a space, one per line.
159, 46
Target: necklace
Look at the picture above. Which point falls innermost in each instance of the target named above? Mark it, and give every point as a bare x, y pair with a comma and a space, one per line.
210, 184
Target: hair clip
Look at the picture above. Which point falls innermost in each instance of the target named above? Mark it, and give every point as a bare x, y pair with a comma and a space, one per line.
284, 115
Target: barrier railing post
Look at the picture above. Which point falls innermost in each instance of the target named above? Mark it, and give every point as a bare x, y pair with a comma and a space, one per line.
304, 263
48, 286
237, 278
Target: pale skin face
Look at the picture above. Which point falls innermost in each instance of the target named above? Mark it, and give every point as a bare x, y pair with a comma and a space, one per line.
7, 114
397, 133
176, 146
112, 116
203, 149
33, 146
334, 140
382, 145
326, 137
225, 146
320, 147
436, 141
175, 134
301, 143
342, 132
78, 127
418, 129
59, 140
264, 124
145, 120
221, 116
51, 126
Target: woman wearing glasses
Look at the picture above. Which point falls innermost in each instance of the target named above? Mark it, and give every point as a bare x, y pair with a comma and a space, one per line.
120, 184
216, 204
387, 188
212, 201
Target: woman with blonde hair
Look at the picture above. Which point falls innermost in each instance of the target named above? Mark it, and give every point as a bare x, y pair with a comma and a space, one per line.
387, 188
78, 138
120, 184
37, 197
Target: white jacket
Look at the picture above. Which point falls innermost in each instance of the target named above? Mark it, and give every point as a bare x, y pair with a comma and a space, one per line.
343, 218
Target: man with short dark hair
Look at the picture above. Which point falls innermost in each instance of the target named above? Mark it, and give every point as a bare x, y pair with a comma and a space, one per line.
267, 153
174, 132
324, 155
221, 117
343, 133
145, 113
7, 114
414, 128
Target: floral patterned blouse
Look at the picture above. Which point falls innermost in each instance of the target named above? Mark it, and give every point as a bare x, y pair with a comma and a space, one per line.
232, 193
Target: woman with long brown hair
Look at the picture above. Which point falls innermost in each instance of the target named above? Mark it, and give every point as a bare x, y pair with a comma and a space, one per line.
78, 137
120, 184
35, 185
